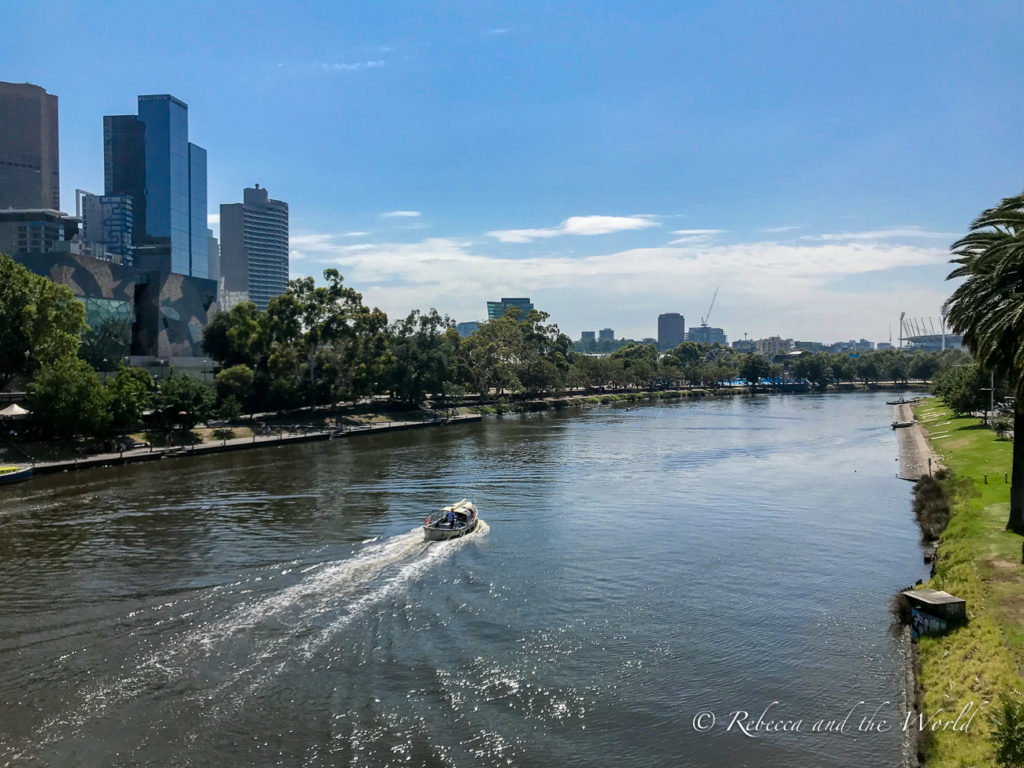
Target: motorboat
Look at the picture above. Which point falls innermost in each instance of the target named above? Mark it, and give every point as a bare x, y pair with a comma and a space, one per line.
14, 474
903, 401
454, 521
902, 424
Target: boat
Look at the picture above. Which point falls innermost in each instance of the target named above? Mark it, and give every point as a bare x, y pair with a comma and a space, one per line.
902, 424
903, 401
463, 519
14, 474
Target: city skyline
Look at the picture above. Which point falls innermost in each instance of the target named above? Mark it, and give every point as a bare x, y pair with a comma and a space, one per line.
442, 157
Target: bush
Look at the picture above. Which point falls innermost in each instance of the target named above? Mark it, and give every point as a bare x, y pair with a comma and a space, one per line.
1001, 425
1009, 734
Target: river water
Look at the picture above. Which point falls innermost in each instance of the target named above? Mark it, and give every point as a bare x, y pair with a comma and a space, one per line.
638, 573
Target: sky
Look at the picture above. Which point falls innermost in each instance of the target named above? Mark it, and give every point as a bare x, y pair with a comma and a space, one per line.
813, 161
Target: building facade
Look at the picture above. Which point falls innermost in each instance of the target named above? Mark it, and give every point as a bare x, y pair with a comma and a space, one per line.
671, 330
466, 328
108, 221
704, 334
497, 309
772, 346
254, 247
149, 158
606, 334
588, 337
29, 148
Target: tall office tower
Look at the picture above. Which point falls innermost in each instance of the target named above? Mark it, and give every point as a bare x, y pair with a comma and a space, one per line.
254, 247
496, 309
29, 148
108, 221
150, 158
671, 330
213, 254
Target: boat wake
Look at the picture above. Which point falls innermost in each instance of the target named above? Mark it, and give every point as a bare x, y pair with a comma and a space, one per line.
217, 661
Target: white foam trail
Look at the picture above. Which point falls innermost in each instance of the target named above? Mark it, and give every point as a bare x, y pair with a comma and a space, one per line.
323, 590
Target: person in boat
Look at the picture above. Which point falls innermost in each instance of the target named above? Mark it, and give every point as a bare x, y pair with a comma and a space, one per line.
451, 519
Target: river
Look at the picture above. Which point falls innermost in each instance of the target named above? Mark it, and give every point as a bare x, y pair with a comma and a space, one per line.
639, 575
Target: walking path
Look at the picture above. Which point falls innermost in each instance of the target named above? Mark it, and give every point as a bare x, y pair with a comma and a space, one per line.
239, 444
916, 455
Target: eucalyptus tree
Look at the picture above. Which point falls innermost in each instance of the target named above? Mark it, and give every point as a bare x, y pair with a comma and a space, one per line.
988, 309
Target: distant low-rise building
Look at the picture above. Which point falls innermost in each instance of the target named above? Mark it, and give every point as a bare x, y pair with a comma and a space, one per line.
588, 337
809, 346
772, 346
703, 334
606, 334
743, 345
466, 328
497, 309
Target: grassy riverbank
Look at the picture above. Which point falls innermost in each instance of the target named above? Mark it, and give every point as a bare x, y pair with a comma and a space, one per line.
980, 562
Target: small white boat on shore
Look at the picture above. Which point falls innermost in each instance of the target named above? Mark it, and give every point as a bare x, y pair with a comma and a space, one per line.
455, 520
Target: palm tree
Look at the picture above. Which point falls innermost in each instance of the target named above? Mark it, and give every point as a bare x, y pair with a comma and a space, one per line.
988, 309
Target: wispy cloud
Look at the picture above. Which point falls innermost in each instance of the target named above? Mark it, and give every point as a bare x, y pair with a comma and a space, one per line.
400, 214
577, 225
213, 219
327, 67
882, 234
497, 31
695, 236
826, 289
783, 229
354, 234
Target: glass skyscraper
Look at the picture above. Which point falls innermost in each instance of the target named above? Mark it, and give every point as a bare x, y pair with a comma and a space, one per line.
150, 158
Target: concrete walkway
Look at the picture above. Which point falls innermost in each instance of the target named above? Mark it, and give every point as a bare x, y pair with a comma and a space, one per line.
915, 450
239, 444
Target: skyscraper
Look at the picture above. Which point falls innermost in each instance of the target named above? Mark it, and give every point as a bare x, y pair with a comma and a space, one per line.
150, 158
29, 148
253, 249
671, 330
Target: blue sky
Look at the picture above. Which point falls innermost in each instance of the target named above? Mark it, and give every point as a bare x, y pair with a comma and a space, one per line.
609, 160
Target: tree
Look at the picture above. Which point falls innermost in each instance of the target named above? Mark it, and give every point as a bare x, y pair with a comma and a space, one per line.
236, 337
753, 368
961, 389
988, 309
182, 401
234, 383
130, 392
41, 321
423, 356
67, 399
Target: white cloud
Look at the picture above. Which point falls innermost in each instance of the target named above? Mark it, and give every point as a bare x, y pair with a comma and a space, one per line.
351, 66
400, 214
498, 31
354, 234
782, 229
882, 234
695, 236
213, 219
577, 225
822, 291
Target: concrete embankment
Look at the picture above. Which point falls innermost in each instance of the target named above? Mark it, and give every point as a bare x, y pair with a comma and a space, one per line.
916, 455
238, 444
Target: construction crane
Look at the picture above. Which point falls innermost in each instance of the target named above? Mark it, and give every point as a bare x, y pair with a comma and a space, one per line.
704, 320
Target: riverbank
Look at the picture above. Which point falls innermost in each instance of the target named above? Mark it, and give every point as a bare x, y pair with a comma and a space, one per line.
503, 405
149, 453
979, 561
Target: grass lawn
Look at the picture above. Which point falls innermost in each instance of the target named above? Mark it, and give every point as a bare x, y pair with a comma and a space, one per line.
980, 562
